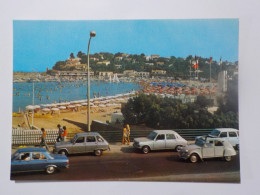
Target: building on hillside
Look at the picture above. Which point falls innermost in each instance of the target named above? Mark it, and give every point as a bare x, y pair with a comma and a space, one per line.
155, 56
150, 64
148, 58
160, 63
143, 74
105, 75
118, 66
158, 72
118, 58
93, 59
129, 73
105, 62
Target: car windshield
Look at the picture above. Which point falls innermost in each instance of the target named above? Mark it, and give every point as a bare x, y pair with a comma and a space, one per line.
152, 135
200, 142
15, 155
215, 132
74, 139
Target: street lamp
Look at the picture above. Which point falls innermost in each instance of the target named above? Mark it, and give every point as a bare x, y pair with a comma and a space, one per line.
92, 34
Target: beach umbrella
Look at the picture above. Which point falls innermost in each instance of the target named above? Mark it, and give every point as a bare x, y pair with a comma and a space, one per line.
55, 109
94, 106
46, 109
71, 106
62, 107
31, 107
84, 104
78, 105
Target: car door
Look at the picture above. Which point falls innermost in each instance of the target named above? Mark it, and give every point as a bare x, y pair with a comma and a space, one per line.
233, 138
91, 143
79, 145
159, 142
219, 148
170, 141
21, 162
101, 144
208, 150
38, 161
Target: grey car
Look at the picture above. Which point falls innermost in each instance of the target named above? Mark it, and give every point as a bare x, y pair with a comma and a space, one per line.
160, 140
83, 143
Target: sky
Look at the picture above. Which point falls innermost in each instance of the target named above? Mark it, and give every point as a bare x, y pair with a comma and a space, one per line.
39, 44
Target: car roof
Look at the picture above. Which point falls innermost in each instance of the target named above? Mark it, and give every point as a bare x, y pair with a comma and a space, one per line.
32, 149
226, 129
88, 133
164, 131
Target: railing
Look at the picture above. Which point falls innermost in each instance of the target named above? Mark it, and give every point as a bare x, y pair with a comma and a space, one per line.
33, 137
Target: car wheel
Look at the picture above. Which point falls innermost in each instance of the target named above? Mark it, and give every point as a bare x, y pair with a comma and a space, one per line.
98, 152
178, 148
64, 152
50, 169
194, 158
146, 149
228, 158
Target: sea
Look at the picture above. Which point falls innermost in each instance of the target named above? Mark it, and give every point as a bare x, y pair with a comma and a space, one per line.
57, 92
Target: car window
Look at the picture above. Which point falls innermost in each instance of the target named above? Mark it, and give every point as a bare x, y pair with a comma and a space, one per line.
80, 140
25, 156
38, 156
215, 132
232, 134
99, 139
160, 137
170, 136
218, 143
91, 139
223, 134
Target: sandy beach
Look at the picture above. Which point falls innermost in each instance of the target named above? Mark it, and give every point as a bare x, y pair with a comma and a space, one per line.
76, 122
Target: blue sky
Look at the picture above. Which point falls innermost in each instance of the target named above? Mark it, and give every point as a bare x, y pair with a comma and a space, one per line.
40, 44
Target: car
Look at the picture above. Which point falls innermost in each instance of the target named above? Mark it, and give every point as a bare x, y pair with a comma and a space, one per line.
208, 148
83, 143
37, 159
229, 134
159, 140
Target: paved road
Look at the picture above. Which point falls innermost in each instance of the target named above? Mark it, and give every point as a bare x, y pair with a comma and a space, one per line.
133, 165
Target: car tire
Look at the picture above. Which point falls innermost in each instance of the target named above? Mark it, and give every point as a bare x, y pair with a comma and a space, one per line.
146, 149
178, 148
50, 169
98, 152
63, 152
194, 158
228, 158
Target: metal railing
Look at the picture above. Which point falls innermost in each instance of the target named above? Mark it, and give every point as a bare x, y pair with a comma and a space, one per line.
33, 137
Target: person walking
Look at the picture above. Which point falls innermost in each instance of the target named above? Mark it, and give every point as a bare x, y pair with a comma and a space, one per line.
60, 132
64, 134
124, 137
43, 139
128, 133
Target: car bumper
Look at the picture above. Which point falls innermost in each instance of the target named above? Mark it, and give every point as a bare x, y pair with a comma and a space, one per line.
184, 155
137, 146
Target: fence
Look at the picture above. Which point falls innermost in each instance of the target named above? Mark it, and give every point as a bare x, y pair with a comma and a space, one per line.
113, 134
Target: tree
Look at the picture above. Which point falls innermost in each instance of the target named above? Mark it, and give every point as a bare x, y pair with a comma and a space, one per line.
72, 55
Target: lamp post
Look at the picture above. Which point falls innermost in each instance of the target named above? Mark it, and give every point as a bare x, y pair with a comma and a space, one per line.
92, 34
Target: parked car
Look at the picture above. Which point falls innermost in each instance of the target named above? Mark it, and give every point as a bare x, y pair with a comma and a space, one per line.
160, 140
83, 143
37, 159
208, 148
229, 134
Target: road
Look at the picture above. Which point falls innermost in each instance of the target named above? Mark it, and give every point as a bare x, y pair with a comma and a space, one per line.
132, 165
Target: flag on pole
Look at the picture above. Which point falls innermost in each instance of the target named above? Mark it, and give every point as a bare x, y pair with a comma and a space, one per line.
210, 59
195, 66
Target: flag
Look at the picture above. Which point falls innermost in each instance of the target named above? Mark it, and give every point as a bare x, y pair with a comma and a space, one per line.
196, 65
210, 59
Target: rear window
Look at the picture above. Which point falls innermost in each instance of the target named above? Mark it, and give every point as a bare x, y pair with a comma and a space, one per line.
170, 136
232, 134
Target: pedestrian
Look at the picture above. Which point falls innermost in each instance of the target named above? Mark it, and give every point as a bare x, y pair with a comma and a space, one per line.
60, 132
43, 139
128, 133
64, 134
124, 137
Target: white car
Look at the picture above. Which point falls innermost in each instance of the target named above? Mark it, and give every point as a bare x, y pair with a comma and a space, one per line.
229, 134
207, 149
160, 140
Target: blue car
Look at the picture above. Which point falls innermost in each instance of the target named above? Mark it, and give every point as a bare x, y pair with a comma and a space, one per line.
37, 159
